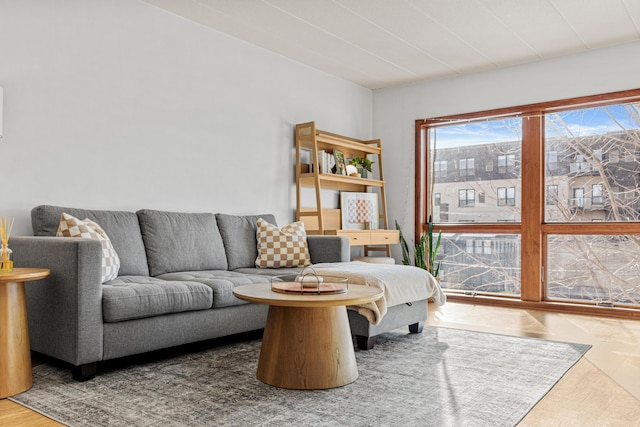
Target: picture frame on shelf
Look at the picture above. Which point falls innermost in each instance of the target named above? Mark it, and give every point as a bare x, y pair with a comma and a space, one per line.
341, 165
359, 211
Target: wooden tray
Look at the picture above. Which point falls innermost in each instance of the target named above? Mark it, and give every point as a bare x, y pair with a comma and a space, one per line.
297, 288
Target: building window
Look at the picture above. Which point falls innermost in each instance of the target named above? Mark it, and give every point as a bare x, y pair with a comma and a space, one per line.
506, 196
578, 198
480, 197
596, 194
466, 198
488, 165
467, 167
597, 153
437, 199
579, 164
629, 156
478, 246
552, 194
440, 169
507, 163
614, 156
552, 160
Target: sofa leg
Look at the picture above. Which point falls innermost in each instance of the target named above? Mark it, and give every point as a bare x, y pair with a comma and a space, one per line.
365, 343
416, 328
84, 372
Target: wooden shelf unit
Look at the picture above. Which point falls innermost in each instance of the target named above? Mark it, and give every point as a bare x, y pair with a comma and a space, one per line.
319, 220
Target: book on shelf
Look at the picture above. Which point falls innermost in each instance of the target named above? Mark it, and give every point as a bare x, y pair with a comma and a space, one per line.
326, 162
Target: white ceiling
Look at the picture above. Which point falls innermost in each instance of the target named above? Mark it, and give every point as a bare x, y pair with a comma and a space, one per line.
382, 43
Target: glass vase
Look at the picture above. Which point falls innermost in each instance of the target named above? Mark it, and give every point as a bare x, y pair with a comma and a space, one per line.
6, 261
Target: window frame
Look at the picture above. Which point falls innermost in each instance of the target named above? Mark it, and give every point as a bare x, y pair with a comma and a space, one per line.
531, 228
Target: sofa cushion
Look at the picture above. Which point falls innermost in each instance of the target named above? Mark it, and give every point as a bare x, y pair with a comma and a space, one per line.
286, 247
135, 297
70, 226
239, 237
121, 227
221, 282
181, 241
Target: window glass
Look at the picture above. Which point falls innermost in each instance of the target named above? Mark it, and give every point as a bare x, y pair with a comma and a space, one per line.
592, 162
602, 269
490, 142
487, 263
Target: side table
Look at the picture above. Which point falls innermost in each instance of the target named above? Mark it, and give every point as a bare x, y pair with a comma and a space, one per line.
15, 354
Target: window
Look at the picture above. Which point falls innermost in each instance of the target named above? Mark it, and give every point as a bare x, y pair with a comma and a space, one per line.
440, 169
552, 160
579, 164
467, 167
488, 165
507, 163
437, 199
578, 198
589, 178
466, 198
506, 196
552, 194
472, 156
614, 156
596, 194
597, 154
629, 156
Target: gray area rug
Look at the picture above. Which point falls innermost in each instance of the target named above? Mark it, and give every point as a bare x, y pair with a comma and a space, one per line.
442, 377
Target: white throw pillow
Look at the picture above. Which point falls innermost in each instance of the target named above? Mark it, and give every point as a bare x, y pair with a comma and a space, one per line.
71, 226
282, 248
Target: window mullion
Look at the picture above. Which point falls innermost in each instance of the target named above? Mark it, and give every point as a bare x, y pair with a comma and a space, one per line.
532, 210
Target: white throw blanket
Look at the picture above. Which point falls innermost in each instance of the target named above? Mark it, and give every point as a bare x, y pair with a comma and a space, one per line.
401, 284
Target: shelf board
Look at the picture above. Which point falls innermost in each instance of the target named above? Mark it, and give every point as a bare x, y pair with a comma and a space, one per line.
326, 140
337, 181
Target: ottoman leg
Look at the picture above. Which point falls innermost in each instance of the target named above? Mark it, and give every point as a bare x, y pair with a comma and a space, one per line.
416, 328
365, 343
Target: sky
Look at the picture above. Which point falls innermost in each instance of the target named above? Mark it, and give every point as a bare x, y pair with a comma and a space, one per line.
582, 122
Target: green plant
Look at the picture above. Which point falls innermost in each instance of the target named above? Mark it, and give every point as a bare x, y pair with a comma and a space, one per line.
363, 162
404, 246
425, 252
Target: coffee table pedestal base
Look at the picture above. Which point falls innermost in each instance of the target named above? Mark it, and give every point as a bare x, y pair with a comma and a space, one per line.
307, 348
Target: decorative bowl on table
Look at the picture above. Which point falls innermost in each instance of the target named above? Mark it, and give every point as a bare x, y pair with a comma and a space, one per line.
308, 282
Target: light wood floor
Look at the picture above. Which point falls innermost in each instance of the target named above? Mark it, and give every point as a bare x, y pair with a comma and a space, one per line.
602, 389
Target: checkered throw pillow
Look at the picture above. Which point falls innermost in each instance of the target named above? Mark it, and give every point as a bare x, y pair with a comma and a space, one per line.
282, 248
73, 227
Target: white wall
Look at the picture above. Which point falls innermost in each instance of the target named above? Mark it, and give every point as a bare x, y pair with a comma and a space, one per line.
120, 105
396, 109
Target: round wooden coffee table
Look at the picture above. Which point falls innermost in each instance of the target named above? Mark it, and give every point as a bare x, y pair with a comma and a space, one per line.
15, 355
307, 342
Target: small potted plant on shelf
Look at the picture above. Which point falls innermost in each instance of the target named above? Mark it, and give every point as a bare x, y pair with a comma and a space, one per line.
363, 164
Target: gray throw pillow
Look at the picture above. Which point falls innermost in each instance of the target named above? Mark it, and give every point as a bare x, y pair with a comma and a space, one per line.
181, 241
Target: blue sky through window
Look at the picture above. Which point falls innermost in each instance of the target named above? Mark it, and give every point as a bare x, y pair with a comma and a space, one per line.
574, 123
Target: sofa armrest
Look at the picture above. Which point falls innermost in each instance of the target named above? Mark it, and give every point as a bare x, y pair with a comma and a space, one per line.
328, 249
64, 309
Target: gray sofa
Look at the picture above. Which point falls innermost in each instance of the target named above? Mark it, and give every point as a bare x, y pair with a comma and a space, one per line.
174, 286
